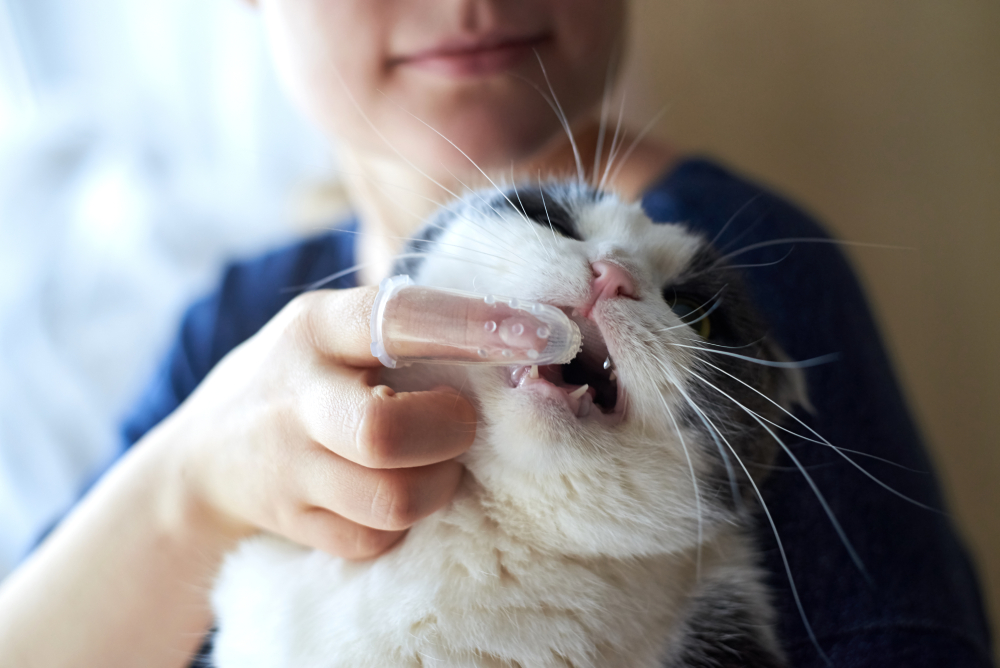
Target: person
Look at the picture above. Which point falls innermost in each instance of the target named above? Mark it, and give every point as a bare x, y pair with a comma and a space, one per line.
266, 414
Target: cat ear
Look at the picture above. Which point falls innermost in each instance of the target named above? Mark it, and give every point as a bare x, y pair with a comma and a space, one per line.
792, 389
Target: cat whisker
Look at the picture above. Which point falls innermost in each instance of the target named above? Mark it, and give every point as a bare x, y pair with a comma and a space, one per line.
688, 323
451, 256
450, 245
883, 460
548, 249
746, 231
471, 250
732, 218
774, 527
478, 195
827, 443
742, 346
382, 185
605, 104
367, 120
809, 479
457, 148
613, 151
730, 471
507, 248
350, 270
802, 364
308, 287
809, 439
755, 265
545, 207
694, 482
581, 175
378, 133
635, 142
804, 240
789, 469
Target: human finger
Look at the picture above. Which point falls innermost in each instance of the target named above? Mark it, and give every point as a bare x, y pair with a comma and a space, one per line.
405, 429
388, 499
321, 529
380, 428
337, 323
420, 323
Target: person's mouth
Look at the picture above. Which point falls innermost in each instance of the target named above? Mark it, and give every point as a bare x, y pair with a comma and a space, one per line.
473, 57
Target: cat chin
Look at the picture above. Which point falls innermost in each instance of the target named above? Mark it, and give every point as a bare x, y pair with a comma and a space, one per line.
543, 414
591, 514
620, 496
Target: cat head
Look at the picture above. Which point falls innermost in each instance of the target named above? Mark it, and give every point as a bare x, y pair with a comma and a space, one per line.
682, 391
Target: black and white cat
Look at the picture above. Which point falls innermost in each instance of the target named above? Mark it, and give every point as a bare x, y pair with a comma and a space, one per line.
594, 528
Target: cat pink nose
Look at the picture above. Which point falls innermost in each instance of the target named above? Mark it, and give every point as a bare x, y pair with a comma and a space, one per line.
611, 280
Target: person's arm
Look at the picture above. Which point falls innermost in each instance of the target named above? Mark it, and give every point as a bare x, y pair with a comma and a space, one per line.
123, 580
289, 434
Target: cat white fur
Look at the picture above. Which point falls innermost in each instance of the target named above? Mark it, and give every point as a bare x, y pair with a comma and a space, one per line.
572, 541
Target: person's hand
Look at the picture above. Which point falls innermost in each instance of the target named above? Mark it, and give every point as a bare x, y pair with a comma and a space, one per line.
290, 434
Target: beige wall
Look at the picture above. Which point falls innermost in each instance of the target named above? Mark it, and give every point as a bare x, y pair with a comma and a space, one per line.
882, 117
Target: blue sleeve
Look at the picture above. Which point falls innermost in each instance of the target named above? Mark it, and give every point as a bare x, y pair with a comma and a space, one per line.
917, 602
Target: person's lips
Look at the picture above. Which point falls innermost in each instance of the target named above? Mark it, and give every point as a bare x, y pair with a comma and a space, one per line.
481, 56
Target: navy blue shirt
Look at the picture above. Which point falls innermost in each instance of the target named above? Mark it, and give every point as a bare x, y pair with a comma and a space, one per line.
917, 602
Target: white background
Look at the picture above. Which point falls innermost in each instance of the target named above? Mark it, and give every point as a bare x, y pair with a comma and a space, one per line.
141, 144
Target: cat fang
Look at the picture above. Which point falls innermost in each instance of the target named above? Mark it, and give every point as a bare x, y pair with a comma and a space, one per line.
585, 389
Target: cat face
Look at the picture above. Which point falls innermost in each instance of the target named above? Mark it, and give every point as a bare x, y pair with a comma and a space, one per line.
656, 453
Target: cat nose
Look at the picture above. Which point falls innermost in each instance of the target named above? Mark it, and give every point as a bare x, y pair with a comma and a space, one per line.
610, 281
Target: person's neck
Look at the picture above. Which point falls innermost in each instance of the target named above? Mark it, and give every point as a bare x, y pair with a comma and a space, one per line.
392, 198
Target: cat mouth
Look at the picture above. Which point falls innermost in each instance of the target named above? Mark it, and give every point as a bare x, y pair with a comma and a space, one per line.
588, 383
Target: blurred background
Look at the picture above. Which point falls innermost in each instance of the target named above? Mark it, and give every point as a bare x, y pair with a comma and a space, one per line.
143, 144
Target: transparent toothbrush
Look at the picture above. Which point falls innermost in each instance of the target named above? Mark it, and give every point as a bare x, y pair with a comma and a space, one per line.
412, 323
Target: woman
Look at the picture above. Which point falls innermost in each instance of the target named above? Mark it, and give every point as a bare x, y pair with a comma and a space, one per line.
286, 431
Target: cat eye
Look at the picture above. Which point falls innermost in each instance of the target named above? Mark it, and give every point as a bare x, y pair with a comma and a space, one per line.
692, 313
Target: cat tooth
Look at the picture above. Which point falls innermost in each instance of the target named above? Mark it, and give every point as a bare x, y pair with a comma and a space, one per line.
613, 376
534, 371
585, 405
607, 364
579, 392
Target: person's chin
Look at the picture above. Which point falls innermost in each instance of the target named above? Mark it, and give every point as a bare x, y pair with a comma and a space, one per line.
489, 136
494, 153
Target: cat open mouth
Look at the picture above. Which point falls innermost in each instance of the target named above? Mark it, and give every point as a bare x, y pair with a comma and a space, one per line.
588, 381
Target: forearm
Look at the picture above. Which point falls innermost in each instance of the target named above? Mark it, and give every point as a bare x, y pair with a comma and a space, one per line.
123, 581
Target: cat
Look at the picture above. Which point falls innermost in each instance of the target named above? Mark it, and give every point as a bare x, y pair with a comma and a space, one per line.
603, 527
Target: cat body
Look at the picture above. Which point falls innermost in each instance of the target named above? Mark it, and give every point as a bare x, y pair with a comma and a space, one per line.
602, 527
